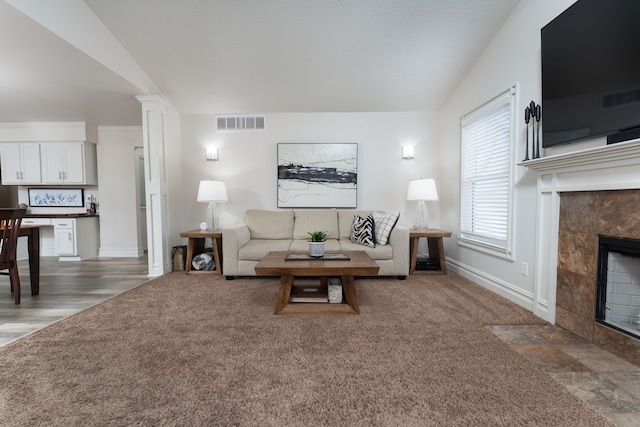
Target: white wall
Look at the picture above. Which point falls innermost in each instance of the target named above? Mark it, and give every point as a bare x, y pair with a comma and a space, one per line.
117, 178
176, 160
247, 160
512, 57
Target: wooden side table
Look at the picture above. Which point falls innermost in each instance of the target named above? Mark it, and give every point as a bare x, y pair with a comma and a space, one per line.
196, 245
436, 249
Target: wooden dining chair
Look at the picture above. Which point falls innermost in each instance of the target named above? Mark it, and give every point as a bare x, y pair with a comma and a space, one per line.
10, 220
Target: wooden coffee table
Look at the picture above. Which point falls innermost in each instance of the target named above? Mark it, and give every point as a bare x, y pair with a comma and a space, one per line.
274, 264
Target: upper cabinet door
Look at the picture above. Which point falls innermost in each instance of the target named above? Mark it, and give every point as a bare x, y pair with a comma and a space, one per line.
10, 164
74, 163
20, 163
31, 164
52, 163
68, 162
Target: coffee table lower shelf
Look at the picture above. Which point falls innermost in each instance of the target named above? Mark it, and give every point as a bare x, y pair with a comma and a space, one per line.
350, 306
358, 264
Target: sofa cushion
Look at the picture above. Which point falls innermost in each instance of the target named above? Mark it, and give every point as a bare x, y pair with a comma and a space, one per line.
269, 224
307, 221
377, 253
256, 249
331, 245
384, 225
362, 231
345, 221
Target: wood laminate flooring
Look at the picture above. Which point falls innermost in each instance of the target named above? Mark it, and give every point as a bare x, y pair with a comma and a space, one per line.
65, 288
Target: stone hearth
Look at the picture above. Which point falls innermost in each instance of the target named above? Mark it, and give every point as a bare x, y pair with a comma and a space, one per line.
583, 217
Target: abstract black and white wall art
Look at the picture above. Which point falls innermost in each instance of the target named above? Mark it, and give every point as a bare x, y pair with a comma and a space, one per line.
317, 175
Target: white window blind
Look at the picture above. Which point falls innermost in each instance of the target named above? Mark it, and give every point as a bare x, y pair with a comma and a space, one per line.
486, 142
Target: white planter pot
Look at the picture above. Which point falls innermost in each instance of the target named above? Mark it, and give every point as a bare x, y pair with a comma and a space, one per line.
316, 249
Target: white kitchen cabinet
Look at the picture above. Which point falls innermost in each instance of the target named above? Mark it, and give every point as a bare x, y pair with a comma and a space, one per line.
20, 163
76, 238
69, 163
65, 236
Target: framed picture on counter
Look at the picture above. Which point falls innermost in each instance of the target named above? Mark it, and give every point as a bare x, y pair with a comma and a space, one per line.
56, 197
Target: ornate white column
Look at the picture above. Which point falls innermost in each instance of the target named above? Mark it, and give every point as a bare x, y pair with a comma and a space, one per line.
153, 127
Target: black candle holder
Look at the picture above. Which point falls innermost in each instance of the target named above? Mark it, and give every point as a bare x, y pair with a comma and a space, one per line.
533, 115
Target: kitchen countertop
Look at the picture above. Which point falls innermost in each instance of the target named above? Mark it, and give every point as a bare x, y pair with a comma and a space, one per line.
67, 215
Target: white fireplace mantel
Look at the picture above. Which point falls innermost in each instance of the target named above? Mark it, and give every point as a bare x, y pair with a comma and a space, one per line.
620, 154
610, 167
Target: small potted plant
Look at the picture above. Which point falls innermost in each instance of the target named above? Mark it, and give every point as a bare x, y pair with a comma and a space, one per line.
316, 243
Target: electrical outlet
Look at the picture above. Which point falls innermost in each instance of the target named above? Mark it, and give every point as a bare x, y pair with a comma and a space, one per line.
524, 269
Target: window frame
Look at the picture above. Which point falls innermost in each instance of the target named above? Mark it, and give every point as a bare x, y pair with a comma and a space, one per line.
474, 240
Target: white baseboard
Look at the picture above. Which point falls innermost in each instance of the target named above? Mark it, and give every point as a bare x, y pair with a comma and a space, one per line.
70, 258
500, 287
542, 310
121, 252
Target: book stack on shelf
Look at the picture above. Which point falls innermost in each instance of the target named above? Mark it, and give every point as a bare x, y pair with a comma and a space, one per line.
309, 293
427, 264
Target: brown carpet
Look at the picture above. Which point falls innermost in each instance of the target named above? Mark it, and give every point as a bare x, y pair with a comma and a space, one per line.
202, 351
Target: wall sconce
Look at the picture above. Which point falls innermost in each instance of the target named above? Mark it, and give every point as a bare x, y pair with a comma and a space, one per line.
212, 154
407, 152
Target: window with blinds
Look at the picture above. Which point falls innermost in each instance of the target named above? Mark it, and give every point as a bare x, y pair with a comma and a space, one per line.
486, 175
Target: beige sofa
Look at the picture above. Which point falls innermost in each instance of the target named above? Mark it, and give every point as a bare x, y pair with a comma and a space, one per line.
286, 230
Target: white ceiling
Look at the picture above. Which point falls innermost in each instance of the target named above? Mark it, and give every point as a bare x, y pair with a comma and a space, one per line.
247, 56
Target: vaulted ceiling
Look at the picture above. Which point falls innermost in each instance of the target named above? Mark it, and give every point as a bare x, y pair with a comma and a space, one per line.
235, 57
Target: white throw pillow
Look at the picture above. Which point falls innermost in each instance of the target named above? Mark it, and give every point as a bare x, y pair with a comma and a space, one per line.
383, 225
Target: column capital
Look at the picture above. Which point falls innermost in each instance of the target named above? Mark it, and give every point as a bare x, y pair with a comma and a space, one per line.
152, 100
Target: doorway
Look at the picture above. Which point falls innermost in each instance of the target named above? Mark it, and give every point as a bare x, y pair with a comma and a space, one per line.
141, 198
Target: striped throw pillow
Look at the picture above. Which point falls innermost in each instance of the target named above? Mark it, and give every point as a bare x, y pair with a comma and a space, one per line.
362, 231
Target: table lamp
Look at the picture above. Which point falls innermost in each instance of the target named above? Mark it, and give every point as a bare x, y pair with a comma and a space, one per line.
212, 191
422, 190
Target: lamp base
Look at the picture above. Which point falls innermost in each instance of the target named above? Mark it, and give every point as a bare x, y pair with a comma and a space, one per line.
422, 215
212, 216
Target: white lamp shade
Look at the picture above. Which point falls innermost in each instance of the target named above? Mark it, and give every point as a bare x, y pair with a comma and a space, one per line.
422, 189
212, 191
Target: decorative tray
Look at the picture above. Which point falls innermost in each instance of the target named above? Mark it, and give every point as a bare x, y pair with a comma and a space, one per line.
326, 256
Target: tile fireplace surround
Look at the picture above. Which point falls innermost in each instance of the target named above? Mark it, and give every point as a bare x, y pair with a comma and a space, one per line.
582, 195
583, 217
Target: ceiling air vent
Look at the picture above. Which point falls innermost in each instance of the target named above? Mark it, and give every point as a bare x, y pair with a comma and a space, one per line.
240, 123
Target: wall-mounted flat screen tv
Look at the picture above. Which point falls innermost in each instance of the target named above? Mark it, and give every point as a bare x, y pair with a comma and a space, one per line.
591, 72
